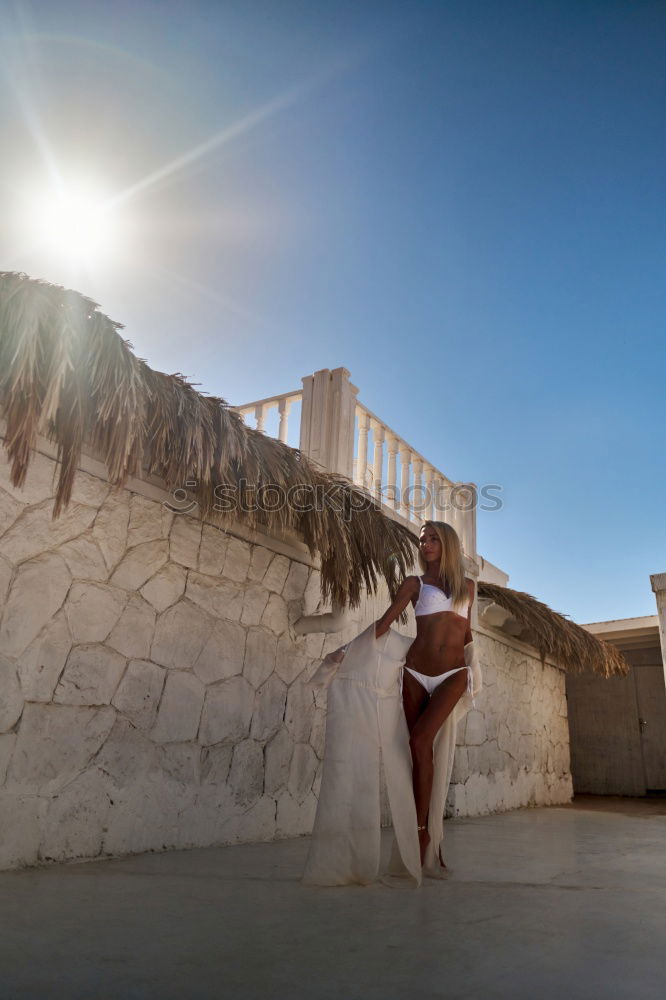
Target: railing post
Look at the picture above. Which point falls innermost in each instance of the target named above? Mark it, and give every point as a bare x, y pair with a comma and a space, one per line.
405, 459
327, 420
392, 491
283, 409
260, 416
378, 459
362, 458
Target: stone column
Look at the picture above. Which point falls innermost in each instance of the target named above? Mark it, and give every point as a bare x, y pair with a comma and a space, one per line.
658, 581
327, 420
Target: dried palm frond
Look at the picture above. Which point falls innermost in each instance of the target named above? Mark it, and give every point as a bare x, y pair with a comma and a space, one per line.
66, 372
555, 636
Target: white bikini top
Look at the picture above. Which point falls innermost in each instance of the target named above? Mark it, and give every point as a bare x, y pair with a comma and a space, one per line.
432, 599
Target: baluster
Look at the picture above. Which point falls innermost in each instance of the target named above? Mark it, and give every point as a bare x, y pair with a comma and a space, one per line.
429, 513
405, 460
378, 437
283, 409
260, 416
362, 460
391, 488
417, 494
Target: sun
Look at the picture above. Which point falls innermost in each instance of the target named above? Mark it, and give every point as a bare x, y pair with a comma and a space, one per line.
74, 222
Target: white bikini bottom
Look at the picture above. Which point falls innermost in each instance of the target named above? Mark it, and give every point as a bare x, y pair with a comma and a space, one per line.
432, 683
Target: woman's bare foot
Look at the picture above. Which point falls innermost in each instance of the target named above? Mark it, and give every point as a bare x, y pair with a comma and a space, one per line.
424, 840
441, 860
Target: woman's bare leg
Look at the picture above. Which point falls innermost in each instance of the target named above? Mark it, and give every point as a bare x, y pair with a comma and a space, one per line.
421, 741
415, 700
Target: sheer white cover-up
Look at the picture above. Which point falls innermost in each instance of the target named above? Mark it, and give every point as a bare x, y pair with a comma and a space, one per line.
366, 725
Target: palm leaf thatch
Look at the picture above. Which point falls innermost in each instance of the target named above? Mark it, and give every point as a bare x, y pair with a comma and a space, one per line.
555, 636
67, 373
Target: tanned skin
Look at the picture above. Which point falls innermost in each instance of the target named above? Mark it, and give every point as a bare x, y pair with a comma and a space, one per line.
439, 646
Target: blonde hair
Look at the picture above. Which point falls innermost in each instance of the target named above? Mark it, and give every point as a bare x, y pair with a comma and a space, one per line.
451, 567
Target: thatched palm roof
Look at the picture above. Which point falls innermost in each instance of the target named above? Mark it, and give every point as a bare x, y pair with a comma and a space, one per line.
555, 636
66, 372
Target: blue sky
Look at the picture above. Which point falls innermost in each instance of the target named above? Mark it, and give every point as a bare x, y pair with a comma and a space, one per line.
463, 203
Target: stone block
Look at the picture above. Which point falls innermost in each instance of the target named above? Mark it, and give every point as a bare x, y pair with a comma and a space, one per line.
246, 775
296, 582
258, 823
215, 764
227, 712
40, 666
37, 592
35, 531
302, 772
139, 564
110, 527
180, 635
84, 559
276, 574
7, 743
89, 490
132, 635
212, 550
218, 596
275, 616
39, 484
74, 819
6, 572
255, 600
180, 762
19, 829
92, 609
180, 709
291, 659
278, 756
312, 594
237, 561
269, 709
91, 675
259, 562
318, 732
314, 646
56, 742
139, 693
149, 520
166, 587
293, 818
11, 695
147, 816
299, 711
185, 539
460, 771
9, 511
260, 653
223, 654
475, 728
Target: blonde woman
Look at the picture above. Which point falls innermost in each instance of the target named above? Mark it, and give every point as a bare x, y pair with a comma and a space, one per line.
435, 674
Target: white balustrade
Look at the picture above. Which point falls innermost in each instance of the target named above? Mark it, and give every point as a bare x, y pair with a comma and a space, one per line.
424, 492
261, 408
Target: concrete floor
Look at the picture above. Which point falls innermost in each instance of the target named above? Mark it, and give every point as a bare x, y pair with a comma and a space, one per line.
560, 903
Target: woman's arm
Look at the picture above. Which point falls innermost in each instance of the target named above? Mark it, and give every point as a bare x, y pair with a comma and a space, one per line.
468, 634
408, 589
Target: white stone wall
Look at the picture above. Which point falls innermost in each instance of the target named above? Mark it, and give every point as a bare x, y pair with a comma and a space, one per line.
513, 748
153, 694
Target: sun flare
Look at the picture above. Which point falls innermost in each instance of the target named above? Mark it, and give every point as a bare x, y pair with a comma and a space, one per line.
76, 223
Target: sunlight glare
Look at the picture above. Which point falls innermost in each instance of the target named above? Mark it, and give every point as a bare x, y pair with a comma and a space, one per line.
76, 223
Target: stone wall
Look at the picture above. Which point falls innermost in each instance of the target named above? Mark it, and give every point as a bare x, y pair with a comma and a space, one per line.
513, 748
153, 694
